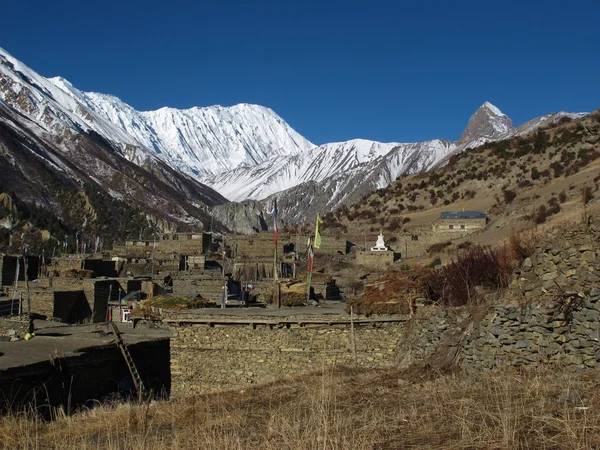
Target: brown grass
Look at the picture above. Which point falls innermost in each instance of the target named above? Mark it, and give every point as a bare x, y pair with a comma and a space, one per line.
345, 409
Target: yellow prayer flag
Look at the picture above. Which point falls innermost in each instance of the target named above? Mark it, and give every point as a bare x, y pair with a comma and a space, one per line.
317, 234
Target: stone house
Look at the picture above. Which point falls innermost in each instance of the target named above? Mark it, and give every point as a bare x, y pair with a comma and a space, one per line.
460, 221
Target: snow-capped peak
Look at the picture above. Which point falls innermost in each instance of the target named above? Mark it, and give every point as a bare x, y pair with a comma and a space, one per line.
201, 141
494, 109
487, 123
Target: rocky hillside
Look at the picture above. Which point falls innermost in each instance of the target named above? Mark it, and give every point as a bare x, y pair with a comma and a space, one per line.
63, 180
528, 179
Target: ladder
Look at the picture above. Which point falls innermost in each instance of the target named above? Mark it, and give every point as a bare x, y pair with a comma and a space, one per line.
135, 375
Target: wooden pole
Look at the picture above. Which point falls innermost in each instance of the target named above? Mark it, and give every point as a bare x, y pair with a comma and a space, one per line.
16, 278
27, 284
353, 335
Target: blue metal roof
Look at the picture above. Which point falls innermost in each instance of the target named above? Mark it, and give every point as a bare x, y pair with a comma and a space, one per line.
463, 215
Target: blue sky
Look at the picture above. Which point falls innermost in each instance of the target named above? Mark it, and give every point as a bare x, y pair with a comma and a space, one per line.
335, 70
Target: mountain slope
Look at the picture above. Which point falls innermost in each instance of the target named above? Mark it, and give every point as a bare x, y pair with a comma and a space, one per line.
347, 179
54, 155
199, 141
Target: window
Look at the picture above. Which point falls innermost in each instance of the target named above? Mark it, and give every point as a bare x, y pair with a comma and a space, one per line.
462, 227
451, 227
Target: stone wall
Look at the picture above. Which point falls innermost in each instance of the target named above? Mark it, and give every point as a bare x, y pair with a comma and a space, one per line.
565, 332
261, 245
570, 261
18, 325
553, 317
231, 356
377, 259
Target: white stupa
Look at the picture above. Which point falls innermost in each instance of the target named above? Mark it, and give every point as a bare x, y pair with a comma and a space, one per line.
380, 244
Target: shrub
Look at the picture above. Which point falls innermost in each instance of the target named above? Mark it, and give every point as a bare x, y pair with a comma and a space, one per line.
436, 248
540, 216
405, 220
521, 245
586, 194
524, 183
562, 197
553, 207
464, 245
454, 284
394, 224
558, 169
509, 196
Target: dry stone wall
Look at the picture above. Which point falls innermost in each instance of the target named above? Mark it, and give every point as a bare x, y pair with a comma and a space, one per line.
571, 262
231, 356
555, 317
565, 332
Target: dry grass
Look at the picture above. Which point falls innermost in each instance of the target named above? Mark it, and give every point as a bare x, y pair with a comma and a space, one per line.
345, 409
393, 293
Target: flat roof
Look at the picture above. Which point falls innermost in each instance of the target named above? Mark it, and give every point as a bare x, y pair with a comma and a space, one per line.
463, 215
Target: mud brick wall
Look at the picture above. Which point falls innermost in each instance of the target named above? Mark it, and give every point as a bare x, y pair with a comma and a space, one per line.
205, 359
378, 259
261, 245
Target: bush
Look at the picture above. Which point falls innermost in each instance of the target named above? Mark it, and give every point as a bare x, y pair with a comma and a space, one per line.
469, 194
562, 197
464, 245
525, 183
394, 224
454, 284
540, 216
436, 248
509, 196
558, 169
586, 195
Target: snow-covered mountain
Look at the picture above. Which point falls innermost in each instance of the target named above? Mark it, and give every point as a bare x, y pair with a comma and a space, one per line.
244, 152
199, 141
262, 180
488, 122
56, 152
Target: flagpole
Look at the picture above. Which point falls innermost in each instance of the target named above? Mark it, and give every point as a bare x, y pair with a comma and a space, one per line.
276, 293
316, 243
311, 253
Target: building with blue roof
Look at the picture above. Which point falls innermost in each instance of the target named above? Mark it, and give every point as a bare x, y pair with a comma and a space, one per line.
460, 221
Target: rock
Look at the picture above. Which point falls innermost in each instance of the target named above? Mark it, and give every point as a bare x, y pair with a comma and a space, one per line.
588, 257
550, 276
523, 344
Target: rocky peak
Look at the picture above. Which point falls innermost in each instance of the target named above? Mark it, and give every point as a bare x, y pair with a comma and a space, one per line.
487, 122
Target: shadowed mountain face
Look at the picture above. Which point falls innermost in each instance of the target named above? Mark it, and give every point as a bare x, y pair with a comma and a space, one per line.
86, 185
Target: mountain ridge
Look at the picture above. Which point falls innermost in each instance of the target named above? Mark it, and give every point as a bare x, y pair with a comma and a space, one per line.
244, 151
